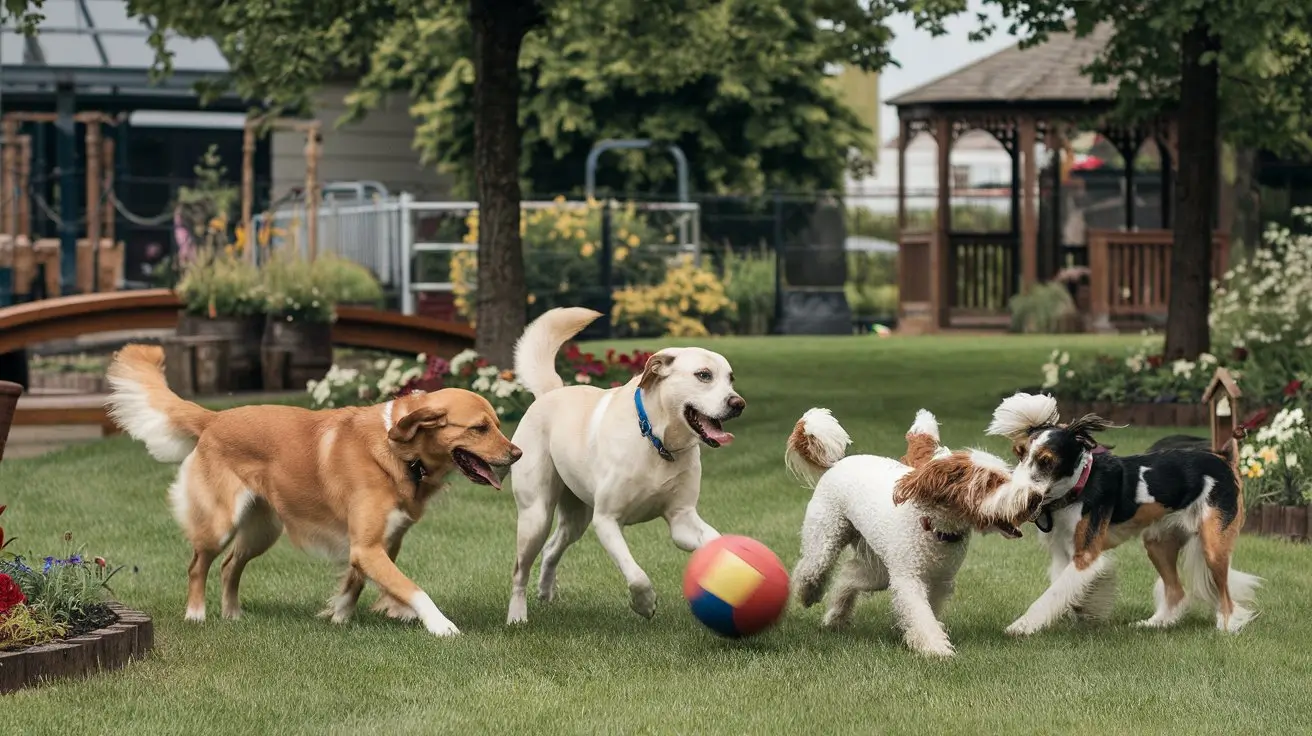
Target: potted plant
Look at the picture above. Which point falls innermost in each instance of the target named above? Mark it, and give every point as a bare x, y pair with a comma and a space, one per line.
9, 393
222, 295
347, 282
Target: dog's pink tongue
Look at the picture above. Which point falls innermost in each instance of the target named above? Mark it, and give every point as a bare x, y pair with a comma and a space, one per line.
486, 473
717, 434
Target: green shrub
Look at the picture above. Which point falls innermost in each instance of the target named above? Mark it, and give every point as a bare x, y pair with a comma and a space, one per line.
749, 284
216, 282
1044, 308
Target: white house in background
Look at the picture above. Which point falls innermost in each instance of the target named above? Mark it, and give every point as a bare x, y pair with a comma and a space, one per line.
375, 149
981, 174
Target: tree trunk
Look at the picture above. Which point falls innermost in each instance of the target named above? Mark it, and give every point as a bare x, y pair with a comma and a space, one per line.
1195, 197
1247, 233
499, 27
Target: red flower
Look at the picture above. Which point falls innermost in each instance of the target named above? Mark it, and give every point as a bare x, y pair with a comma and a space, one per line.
613, 384
1256, 419
1293, 387
1155, 361
572, 351
10, 594
100, 561
625, 360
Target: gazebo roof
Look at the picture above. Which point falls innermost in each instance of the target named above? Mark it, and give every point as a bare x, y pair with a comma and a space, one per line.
1048, 72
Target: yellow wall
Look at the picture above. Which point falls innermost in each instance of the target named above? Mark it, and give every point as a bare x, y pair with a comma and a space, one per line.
861, 92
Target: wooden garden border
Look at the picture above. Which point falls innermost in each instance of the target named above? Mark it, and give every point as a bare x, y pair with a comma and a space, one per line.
1140, 415
110, 648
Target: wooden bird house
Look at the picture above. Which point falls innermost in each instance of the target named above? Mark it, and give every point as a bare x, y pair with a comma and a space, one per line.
1222, 398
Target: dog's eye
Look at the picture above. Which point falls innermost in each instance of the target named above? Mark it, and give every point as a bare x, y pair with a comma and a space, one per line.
481, 428
704, 375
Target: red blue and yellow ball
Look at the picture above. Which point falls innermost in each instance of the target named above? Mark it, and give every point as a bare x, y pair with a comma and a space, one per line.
736, 586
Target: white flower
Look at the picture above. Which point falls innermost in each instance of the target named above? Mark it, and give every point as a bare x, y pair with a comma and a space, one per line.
1070, 374
582, 378
1051, 375
1206, 359
458, 362
1291, 460
1065, 358
380, 364
1134, 363
422, 358
1183, 368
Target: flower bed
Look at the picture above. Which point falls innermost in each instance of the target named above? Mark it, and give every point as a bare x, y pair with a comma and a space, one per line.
1259, 320
56, 619
1141, 388
386, 379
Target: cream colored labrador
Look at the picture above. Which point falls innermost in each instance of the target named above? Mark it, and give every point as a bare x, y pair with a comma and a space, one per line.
612, 457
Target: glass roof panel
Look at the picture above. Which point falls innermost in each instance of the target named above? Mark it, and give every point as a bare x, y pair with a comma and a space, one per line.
69, 49
64, 15
128, 52
113, 15
197, 54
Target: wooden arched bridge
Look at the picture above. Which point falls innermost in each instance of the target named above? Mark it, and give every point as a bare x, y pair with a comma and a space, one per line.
32, 323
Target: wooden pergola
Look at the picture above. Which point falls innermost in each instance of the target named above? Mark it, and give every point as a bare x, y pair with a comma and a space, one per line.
1023, 97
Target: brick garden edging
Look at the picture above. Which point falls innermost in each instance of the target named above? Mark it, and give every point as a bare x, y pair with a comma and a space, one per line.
110, 648
1138, 415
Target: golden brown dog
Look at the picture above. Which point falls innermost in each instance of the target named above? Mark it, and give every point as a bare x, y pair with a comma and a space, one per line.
345, 482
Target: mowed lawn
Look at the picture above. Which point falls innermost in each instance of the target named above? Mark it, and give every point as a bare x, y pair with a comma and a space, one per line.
587, 664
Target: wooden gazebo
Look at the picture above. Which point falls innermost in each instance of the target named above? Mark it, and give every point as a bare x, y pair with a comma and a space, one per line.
949, 278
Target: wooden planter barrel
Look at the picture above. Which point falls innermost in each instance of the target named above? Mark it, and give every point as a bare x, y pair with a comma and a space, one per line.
295, 353
245, 335
1139, 415
9, 393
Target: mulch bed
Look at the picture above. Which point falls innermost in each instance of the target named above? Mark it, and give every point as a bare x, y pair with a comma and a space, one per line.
106, 641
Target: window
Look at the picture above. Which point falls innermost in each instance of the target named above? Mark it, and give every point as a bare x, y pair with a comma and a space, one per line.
961, 177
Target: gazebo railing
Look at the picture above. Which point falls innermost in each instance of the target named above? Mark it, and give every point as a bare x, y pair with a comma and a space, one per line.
984, 272
1130, 273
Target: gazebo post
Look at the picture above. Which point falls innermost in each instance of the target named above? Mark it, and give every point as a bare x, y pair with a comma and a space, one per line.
903, 133
1029, 222
940, 261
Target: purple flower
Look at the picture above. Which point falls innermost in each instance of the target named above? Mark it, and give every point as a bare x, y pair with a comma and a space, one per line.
75, 560
49, 562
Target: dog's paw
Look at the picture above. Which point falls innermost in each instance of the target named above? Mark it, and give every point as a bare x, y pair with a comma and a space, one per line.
392, 608
518, 613
547, 591
836, 619
643, 600
809, 593
931, 646
1022, 627
232, 613
442, 627
196, 615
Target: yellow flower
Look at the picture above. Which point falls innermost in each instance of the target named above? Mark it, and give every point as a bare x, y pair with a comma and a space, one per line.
1254, 470
1268, 454
621, 253
669, 238
633, 241
560, 199
580, 234
532, 298
586, 250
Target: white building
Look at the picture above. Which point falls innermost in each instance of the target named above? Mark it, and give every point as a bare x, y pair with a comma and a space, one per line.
981, 174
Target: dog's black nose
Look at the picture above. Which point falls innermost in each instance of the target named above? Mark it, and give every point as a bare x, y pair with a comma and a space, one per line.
515, 453
736, 405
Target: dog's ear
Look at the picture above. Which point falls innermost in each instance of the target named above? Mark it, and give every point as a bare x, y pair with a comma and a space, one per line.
930, 482
1085, 426
409, 425
658, 367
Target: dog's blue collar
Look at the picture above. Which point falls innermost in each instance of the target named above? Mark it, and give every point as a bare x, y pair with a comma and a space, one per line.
644, 425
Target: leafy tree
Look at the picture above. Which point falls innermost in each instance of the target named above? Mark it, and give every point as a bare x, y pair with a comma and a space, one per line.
282, 50
1243, 69
757, 114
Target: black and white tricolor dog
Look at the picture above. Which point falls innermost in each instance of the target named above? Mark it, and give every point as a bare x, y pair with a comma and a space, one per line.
1183, 499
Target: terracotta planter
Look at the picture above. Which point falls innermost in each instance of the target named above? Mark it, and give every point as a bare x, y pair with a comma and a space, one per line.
1139, 415
245, 335
294, 353
9, 393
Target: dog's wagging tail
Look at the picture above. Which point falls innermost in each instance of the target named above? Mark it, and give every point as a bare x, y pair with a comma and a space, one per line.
817, 442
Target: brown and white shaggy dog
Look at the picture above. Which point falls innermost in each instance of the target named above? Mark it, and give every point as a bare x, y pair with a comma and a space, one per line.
344, 482
909, 527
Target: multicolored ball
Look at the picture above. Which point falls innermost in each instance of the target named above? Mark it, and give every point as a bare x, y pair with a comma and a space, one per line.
736, 586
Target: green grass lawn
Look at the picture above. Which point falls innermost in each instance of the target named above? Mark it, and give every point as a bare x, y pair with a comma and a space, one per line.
587, 664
